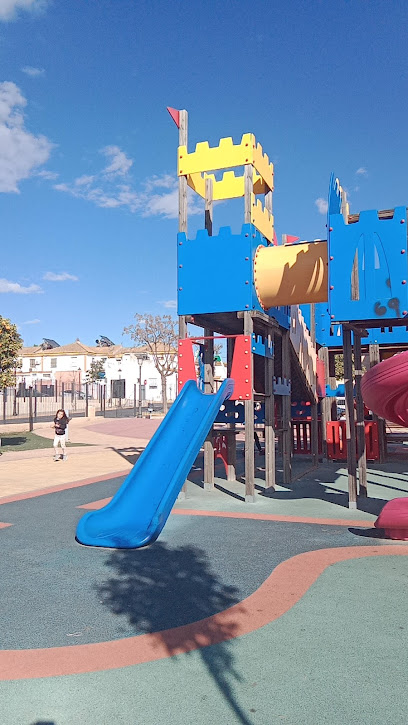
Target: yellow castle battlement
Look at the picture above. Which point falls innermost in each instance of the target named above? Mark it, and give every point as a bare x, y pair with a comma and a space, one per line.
261, 218
229, 187
225, 156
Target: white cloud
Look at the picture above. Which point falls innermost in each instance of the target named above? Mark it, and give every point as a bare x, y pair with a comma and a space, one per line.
120, 163
20, 151
362, 171
322, 205
31, 322
169, 304
62, 277
157, 195
29, 70
9, 8
17, 289
84, 180
49, 175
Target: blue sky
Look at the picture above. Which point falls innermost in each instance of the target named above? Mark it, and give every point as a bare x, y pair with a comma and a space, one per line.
88, 197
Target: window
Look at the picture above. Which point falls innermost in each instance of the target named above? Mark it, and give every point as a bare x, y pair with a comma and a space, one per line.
153, 383
32, 362
53, 362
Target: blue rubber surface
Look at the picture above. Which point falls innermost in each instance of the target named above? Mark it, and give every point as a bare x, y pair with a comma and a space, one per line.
137, 513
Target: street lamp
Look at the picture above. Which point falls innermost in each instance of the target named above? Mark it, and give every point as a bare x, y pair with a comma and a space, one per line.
141, 358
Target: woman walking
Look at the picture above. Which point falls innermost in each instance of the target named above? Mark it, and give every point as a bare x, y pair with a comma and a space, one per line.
60, 423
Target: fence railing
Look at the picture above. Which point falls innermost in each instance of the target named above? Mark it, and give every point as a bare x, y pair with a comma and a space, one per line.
40, 403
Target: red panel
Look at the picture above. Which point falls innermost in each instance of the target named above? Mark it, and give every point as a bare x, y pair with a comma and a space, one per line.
321, 378
175, 114
241, 368
186, 364
337, 440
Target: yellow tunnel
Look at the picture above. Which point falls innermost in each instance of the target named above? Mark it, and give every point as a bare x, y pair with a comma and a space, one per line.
292, 274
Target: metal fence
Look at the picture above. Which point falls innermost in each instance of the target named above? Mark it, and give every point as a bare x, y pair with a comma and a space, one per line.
39, 403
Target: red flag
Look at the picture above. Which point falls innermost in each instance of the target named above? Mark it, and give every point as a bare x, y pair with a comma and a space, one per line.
288, 239
175, 114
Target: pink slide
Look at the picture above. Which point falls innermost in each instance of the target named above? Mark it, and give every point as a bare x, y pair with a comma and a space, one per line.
385, 389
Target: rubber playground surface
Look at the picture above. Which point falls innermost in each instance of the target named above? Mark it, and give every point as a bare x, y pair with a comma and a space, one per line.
290, 610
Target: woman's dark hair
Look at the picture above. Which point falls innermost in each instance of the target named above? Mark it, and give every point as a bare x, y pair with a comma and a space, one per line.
61, 410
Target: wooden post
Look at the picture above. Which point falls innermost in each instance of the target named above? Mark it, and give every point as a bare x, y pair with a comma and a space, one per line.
183, 141
249, 427
350, 424
209, 389
270, 461
314, 434
361, 441
325, 404
374, 355
183, 225
286, 411
209, 206
231, 439
248, 191
313, 323
30, 409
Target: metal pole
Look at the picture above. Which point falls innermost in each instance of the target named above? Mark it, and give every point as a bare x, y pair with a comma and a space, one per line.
140, 391
86, 399
30, 409
134, 401
62, 395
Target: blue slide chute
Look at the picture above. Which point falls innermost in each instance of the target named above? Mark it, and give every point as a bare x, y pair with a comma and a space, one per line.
139, 510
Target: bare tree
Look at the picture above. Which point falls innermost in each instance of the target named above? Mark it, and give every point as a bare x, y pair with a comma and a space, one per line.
158, 335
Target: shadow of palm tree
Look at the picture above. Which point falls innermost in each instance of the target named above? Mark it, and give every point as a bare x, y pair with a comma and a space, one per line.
172, 594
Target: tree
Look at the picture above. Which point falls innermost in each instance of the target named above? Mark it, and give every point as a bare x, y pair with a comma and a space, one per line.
10, 345
94, 372
157, 334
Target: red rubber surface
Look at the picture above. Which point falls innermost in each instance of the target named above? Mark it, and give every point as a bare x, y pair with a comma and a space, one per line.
385, 389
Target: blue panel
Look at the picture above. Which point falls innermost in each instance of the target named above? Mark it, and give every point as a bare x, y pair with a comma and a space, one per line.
379, 247
281, 315
281, 386
139, 510
215, 274
330, 334
334, 204
233, 411
260, 346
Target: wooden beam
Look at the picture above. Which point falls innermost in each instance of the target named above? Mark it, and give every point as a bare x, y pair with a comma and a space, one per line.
270, 462
231, 439
209, 389
286, 412
350, 424
209, 206
374, 356
249, 429
248, 191
183, 141
361, 441
325, 403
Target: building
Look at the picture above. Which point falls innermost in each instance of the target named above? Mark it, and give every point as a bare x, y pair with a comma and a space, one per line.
52, 363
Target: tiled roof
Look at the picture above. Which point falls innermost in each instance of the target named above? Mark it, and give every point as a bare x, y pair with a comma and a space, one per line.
79, 348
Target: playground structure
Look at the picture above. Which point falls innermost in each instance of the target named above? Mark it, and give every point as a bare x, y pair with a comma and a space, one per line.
251, 291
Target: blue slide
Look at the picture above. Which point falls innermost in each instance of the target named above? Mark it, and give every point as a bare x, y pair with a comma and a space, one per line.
140, 509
